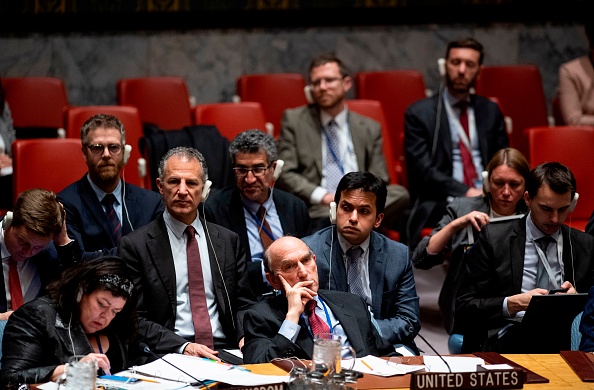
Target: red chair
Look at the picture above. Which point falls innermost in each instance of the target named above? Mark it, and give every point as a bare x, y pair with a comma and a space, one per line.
231, 118
51, 163
162, 101
571, 146
520, 90
36, 102
75, 117
396, 90
275, 92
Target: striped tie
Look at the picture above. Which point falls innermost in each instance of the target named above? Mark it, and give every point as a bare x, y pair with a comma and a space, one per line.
112, 216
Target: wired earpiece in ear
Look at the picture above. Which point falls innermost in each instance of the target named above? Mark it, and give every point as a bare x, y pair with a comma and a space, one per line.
441, 67
79, 295
7, 220
573, 203
127, 151
278, 169
206, 190
485, 176
333, 213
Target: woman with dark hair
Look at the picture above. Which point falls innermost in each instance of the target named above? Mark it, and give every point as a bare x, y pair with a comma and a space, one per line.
89, 311
503, 192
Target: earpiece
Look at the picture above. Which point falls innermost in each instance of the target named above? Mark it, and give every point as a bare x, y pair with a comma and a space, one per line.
79, 295
333, 213
206, 190
441, 67
308, 96
574, 202
7, 220
127, 151
278, 169
485, 175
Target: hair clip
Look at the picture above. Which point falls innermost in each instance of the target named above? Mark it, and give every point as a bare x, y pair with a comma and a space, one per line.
121, 283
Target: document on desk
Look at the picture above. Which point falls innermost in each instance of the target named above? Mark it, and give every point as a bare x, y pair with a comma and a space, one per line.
375, 366
456, 363
203, 369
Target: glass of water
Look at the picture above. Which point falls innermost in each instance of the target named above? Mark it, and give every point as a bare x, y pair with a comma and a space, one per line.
81, 374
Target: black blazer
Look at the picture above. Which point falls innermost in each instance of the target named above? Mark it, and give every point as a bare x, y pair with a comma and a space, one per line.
430, 178
147, 253
263, 320
88, 224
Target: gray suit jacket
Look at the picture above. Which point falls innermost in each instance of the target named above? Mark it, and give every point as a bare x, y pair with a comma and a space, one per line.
300, 143
147, 252
394, 297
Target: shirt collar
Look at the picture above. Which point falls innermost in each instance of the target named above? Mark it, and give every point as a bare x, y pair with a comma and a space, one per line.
340, 119
345, 245
254, 206
533, 232
101, 194
177, 227
3, 250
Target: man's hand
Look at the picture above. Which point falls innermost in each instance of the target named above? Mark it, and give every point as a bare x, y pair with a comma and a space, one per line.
519, 302
475, 218
473, 192
5, 160
201, 350
62, 238
328, 198
297, 296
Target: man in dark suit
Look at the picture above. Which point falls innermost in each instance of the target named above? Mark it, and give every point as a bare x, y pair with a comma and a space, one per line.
163, 264
87, 209
381, 272
278, 327
321, 142
446, 151
252, 208
34, 247
513, 261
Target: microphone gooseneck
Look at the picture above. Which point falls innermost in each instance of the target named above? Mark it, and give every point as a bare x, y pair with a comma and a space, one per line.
146, 349
437, 353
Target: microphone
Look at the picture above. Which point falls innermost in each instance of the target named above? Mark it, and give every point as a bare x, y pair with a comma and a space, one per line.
146, 349
437, 353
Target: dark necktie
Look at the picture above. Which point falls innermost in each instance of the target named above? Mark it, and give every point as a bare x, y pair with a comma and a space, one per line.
333, 163
264, 237
14, 285
200, 316
465, 152
315, 322
354, 279
112, 216
542, 276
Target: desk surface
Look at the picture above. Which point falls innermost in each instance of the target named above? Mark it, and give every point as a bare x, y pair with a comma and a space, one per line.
552, 367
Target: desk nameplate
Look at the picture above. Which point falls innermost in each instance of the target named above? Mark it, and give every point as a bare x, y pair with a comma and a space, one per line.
487, 379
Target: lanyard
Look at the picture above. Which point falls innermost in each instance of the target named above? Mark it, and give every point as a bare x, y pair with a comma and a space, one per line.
327, 318
458, 127
545, 262
260, 223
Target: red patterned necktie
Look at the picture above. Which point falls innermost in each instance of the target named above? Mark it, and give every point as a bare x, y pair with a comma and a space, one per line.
200, 316
315, 322
466, 154
112, 216
264, 237
14, 285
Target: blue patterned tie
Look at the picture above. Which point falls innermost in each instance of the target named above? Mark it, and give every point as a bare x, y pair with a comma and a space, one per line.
112, 216
333, 163
354, 278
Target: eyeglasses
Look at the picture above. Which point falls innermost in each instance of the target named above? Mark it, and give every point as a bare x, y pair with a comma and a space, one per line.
412, 360
326, 80
97, 149
256, 171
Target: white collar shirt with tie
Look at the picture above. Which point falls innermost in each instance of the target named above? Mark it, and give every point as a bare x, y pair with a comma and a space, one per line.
362, 264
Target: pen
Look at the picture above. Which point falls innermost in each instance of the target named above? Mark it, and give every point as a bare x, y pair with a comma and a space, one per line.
366, 365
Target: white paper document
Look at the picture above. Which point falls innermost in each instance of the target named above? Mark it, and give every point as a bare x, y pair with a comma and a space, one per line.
456, 363
204, 369
375, 366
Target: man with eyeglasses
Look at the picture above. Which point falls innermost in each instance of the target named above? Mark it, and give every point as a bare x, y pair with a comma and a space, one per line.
101, 206
323, 141
254, 210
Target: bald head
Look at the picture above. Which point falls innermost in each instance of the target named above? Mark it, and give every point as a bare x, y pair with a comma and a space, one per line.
293, 260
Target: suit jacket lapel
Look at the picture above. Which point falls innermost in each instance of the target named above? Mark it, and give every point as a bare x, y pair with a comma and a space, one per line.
348, 321
217, 259
378, 260
314, 139
237, 219
91, 203
130, 198
287, 220
359, 141
162, 259
517, 251
481, 128
338, 274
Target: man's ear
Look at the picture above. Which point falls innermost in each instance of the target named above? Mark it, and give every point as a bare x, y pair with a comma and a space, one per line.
159, 186
348, 83
274, 281
378, 220
527, 199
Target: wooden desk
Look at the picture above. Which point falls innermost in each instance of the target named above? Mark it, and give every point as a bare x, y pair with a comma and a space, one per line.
553, 367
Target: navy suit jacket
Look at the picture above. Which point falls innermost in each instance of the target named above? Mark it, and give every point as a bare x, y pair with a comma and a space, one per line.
88, 224
394, 297
494, 268
147, 253
263, 321
430, 177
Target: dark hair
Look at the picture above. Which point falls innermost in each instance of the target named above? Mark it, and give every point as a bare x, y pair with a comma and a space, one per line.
555, 175
107, 273
589, 29
39, 211
185, 153
468, 43
327, 58
251, 142
103, 121
367, 182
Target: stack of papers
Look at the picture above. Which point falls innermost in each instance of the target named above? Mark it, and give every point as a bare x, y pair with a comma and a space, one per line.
376, 366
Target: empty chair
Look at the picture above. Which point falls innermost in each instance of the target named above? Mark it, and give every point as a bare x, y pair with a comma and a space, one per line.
76, 116
396, 90
36, 104
520, 90
274, 91
161, 101
571, 146
231, 118
51, 164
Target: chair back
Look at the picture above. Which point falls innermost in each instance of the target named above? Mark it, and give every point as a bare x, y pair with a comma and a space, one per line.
2, 326
51, 164
396, 90
571, 146
520, 90
75, 117
162, 101
576, 335
231, 118
36, 103
276, 92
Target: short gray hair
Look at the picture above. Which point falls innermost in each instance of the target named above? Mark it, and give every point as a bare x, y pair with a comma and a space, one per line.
187, 153
254, 141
